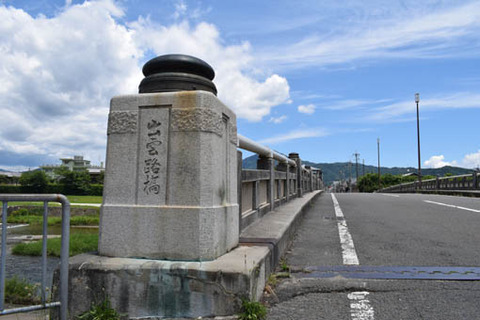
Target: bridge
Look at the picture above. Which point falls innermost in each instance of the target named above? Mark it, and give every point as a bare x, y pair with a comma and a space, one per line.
185, 231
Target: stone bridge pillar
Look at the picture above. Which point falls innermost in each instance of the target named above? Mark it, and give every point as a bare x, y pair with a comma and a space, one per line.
171, 169
295, 157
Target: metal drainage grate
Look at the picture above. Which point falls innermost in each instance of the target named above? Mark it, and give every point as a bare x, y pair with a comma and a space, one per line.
392, 272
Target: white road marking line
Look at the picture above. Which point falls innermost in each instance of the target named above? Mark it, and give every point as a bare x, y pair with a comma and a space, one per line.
451, 206
348, 249
390, 195
360, 308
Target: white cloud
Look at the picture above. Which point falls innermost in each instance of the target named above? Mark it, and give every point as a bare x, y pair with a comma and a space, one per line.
180, 9
236, 80
471, 160
396, 110
437, 162
278, 120
58, 73
307, 109
352, 103
296, 134
427, 33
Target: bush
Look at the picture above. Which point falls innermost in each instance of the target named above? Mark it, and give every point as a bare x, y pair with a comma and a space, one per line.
96, 190
92, 190
10, 189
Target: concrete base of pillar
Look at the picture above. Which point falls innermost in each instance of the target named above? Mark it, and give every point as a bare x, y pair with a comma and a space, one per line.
200, 233
144, 289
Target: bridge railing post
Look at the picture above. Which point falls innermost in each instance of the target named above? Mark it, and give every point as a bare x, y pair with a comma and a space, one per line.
287, 183
267, 163
294, 156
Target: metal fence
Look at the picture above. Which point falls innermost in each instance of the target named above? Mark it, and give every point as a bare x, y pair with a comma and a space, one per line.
452, 183
63, 287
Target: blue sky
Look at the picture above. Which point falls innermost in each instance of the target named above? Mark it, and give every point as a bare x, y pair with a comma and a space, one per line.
321, 78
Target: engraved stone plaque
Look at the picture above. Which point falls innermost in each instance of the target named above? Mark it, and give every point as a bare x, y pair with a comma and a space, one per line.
153, 154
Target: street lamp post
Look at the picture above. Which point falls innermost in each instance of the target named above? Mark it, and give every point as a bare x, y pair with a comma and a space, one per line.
379, 176
417, 100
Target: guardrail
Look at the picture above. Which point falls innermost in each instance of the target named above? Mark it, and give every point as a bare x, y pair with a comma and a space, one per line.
276, 180
453, 183
64, 253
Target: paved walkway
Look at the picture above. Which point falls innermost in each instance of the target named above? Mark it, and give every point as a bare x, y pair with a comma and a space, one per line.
86, 204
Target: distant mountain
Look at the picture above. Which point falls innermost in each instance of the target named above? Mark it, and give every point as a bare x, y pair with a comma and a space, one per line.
344, 170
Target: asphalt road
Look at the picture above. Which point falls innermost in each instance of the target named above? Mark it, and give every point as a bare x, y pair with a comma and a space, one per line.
397, 240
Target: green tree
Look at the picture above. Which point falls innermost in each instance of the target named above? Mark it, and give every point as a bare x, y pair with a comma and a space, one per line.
98, 179
34, 181
368, 182
3, 179
73, 182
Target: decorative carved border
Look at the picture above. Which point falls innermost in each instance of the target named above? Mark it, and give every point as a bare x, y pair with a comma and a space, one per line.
123, 122
199, 119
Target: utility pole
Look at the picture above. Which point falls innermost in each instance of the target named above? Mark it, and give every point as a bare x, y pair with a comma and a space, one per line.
379, 176
363, 168
356, 154
350, 177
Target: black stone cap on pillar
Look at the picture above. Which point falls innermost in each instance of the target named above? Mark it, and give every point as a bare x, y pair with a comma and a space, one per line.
177, 72
293, 155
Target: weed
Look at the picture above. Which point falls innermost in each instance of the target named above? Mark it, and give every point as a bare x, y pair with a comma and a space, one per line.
101, 311
20, 291
252, 310
284, 266
272, 280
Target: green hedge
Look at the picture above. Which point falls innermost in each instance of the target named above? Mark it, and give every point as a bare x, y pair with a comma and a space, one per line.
7, 188
94, 190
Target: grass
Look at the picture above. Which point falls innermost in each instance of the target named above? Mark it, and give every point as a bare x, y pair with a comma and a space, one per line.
85, 199
90, 220
20, 291
101, 311
79, 243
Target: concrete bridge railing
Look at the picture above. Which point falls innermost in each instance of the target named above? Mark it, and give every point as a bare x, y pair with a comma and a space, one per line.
274, 182
452, 184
